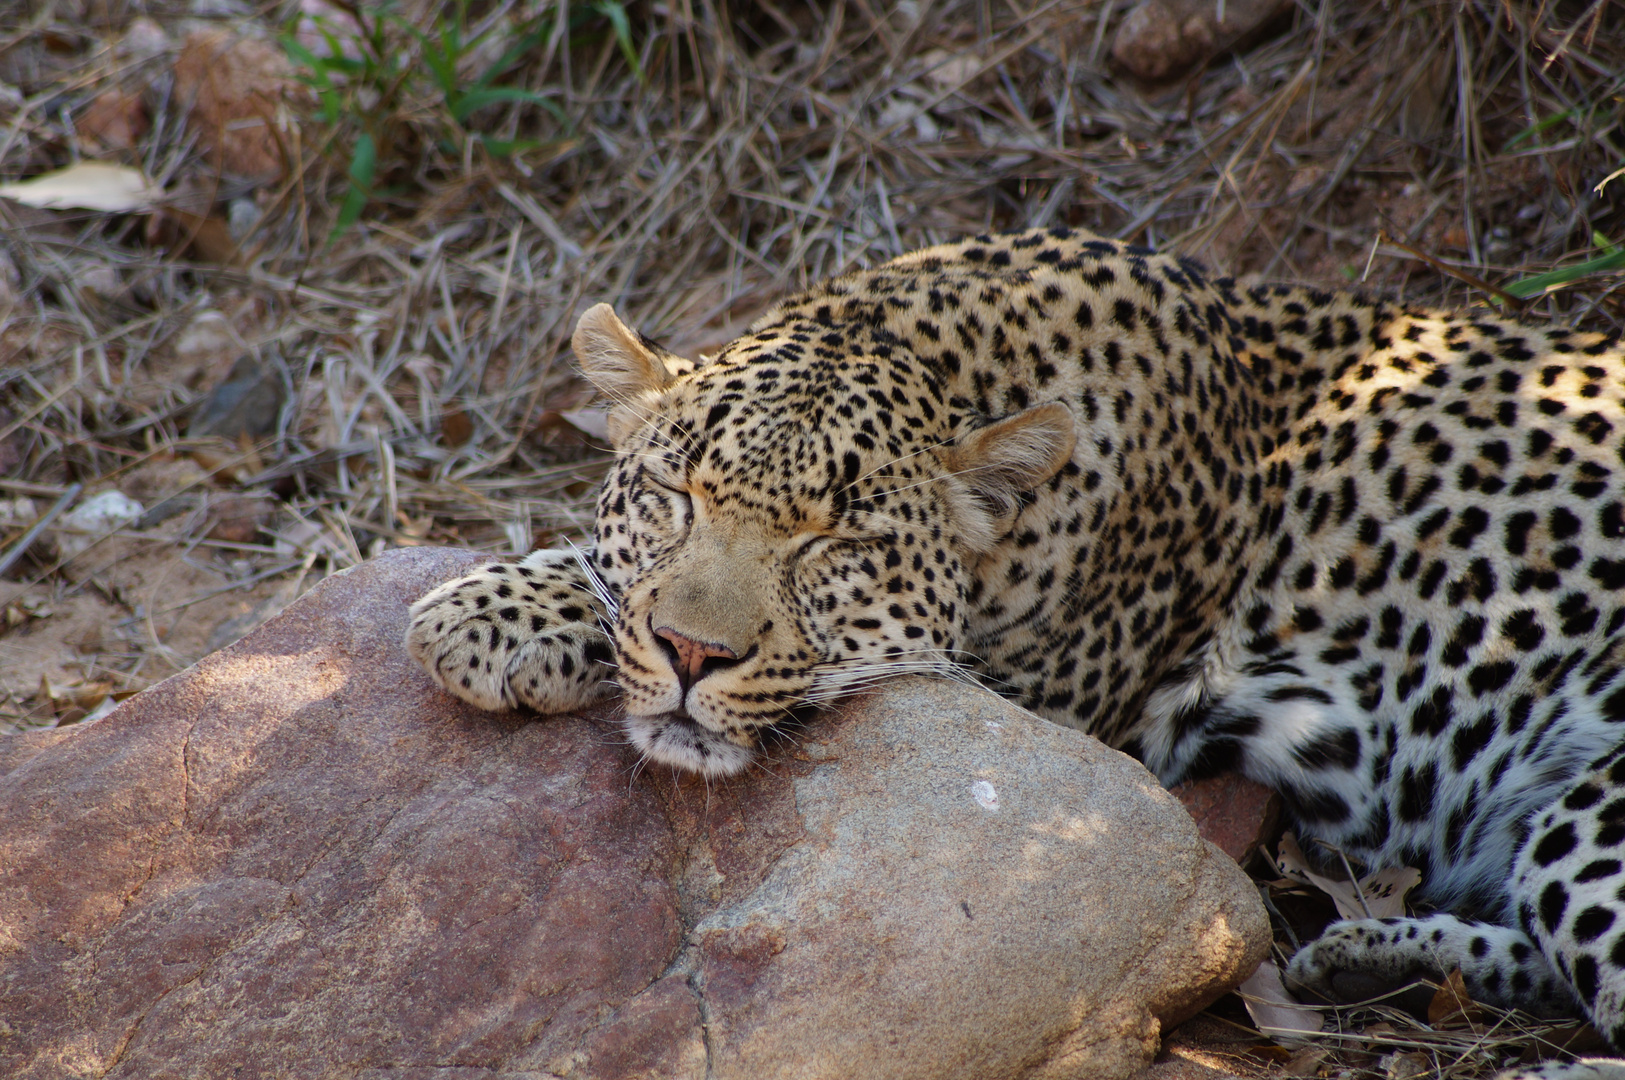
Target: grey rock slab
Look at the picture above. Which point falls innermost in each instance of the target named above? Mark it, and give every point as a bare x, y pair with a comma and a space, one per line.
298, 858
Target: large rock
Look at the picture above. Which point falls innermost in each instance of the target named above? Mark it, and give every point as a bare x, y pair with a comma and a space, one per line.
297, 858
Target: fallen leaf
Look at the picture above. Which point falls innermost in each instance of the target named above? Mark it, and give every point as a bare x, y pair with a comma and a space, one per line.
79, 702
552, 428
1406, 1066
456, 428
22, 610
1274, 1011
207, 238
17, 513
1452, 1006
594, 422
1307, 1061
229, 462
1383, 891
414, 532
87, 185
108, 704
234, 87
945, 69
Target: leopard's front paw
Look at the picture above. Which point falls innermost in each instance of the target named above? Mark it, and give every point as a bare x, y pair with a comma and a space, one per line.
1363, 959
1355, 961
504, 636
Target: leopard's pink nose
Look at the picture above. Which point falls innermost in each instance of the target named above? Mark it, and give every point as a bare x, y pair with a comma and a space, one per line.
693, 659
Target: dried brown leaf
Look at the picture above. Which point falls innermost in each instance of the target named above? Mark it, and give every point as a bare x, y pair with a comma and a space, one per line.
1383, 892
1452, 1006
1274, 1011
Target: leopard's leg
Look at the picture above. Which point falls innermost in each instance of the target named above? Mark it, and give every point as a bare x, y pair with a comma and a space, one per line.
1579, 1069
506, 635
1568, 882
1567, 954
1360, 959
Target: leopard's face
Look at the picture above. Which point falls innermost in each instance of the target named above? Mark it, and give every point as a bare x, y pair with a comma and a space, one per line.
770, 552
790, 523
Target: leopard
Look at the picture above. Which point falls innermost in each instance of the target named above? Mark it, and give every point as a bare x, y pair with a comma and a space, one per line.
1368, 554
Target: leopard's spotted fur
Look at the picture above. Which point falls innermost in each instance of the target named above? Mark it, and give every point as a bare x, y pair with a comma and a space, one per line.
1371, 556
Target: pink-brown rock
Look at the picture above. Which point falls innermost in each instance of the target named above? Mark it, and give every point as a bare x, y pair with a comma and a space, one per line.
299, 859
1232, 812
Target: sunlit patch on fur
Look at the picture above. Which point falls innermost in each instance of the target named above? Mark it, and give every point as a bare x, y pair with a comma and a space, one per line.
676, 740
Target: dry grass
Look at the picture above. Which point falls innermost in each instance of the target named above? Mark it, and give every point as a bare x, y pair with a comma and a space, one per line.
416, 368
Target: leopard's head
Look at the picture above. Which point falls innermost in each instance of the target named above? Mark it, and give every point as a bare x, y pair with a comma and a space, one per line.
790, 522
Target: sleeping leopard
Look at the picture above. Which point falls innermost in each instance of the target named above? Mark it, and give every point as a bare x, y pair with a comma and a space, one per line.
1368, 555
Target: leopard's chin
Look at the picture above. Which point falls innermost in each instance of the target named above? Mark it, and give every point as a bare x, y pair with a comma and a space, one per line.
675, 739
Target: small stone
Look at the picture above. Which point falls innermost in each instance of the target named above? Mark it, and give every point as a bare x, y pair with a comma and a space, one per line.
95, 279
323, 25
247, 403
18, 513
206, 339
1163, 39
243, 216
143, 39
238, 519
94, 518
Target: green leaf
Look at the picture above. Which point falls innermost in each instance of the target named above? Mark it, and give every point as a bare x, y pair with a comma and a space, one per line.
479, 99
363, 161
318, 67
301, 55
441, 62
445, 71
362, 164
615, 12
519, 48
1537, 127
508, 147
335, 58
1543, 283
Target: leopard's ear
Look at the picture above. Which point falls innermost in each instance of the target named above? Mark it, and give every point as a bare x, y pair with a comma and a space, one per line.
997, 463
625, 366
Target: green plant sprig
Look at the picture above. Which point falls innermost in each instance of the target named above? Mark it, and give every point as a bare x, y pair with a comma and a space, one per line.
368, 93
